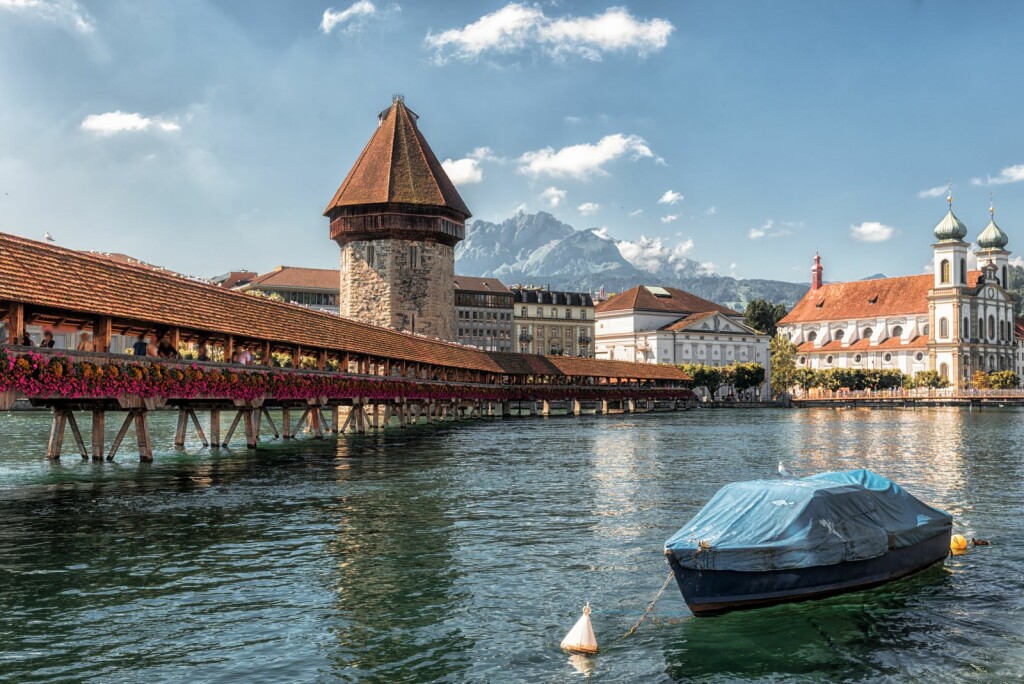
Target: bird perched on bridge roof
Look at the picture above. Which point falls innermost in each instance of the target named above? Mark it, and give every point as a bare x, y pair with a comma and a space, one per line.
783, 472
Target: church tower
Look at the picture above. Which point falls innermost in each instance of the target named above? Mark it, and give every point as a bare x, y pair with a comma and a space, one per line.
948, 325
992, 249
397, 218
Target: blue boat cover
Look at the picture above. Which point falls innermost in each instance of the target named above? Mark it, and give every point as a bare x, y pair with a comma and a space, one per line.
820, 520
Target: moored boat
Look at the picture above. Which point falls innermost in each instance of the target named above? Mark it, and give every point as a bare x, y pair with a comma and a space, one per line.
764, 542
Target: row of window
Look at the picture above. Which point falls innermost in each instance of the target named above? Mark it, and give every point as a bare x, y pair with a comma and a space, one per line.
489, 333
494, 301
310, 298
370, 254
1004, 333
553, 313
484, 315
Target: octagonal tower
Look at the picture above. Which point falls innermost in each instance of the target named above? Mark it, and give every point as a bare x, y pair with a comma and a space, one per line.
397, 218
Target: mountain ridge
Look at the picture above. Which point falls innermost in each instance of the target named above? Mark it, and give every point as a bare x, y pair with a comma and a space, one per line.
540, 249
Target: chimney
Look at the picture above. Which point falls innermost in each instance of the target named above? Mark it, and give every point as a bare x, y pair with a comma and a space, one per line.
816, 271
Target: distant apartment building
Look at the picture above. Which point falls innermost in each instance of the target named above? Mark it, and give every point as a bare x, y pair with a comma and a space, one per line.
549, 322
315, 288
483, 313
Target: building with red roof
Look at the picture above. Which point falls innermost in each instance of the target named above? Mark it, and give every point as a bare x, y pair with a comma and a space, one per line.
670, 326
955, 320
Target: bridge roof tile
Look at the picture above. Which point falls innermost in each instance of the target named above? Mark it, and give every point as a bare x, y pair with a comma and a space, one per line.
43, 275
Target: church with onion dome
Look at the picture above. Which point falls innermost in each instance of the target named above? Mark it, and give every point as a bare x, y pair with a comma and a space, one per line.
956, 320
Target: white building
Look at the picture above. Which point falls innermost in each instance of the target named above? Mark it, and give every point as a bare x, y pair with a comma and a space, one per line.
955, 321
666, 325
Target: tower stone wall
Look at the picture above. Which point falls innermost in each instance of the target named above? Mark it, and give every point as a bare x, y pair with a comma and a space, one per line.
409, 285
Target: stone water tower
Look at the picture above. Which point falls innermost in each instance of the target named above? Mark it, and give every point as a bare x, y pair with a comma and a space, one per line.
397, 218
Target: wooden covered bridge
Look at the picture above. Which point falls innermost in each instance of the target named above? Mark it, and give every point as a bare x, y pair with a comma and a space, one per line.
333, 365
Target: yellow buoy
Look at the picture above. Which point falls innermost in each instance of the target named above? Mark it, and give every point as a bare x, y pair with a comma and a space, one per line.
958, 544
580, 638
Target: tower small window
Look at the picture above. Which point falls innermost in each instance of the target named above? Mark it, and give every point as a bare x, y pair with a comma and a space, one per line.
944, 271
943, 328
963, 271
371, 255
414, 257
867, 333
897, 331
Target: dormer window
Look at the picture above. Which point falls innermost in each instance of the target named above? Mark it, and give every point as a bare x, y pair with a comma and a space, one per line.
873, 300
820, 304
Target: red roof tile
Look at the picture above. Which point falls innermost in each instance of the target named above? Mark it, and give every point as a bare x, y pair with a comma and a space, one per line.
471, 284
299, 278
40, 275
640, 298
919, 342
867, 299
398, 166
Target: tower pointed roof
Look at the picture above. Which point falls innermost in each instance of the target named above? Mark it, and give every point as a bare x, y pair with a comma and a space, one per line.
398, 166
993, 236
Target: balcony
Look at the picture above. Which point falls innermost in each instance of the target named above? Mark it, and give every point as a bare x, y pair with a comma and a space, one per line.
584, 339
525, 337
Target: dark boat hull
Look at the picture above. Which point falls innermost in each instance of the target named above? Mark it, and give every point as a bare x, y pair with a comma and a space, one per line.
710, 592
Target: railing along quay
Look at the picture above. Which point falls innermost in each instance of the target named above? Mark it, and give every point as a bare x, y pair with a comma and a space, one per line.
98, 383
910, 398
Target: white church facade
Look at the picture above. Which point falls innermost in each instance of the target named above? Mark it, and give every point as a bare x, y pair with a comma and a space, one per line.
955, 321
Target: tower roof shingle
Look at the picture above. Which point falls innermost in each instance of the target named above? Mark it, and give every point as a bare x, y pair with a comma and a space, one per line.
397, 166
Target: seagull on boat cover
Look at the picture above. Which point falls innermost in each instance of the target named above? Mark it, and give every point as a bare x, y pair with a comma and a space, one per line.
48, 237
783, 472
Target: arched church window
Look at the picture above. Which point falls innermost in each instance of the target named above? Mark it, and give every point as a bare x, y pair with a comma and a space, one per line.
963, 271
944, 271
811, 336
944, 371
966, 332
981, 327
927, 329
839, 335
867, 333
991, 327
943, 328
1005, 283
897, 331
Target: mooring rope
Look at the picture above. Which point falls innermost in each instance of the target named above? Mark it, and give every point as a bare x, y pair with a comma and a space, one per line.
650, 607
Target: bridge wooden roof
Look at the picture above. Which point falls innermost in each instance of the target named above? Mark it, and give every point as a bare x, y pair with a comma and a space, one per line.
48, 277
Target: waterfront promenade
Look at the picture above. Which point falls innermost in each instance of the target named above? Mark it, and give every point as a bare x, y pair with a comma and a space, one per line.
901, 398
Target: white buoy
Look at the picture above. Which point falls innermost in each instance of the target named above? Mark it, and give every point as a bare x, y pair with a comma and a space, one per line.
580, 638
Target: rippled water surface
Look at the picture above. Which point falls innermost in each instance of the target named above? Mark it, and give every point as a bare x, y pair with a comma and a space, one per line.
465, 553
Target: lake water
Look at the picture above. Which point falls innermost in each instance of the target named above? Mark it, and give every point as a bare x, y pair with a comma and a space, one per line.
465, 553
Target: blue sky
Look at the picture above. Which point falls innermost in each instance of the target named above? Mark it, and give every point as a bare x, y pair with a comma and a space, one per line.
206, 136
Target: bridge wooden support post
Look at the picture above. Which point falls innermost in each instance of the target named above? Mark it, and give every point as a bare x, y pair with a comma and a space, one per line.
142, 436
574, 406
120, 434
215, 428
98, 420
336, 420
286, 422
627, 405
231, 428
251, 435
532, 406
53, 447
602, 407
505, 409
198, 427
179, 432
545, 409
270, 419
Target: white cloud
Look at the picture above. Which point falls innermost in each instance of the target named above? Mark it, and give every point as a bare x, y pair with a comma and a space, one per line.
463, 171
1011, 174
63, 12
636, 212
570, 119
353, 16
707, 268
711, 211
653, 255
1017, 261
584, 160
588, 208
111, 123
871, 231
518, 27
670, 197
553, 195
733, 270
768, 229
937, 191
467, 170
669, 218
602, 233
